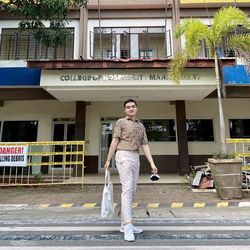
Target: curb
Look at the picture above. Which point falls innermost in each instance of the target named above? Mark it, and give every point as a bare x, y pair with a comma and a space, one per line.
174, 205
148, 205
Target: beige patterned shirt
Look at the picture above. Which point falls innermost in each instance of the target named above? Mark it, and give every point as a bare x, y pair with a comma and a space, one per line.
131, 134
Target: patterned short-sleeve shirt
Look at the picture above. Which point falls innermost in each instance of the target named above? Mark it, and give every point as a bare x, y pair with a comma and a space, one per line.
131, 134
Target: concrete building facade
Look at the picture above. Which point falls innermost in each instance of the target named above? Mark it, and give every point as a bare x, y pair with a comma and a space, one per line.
119, 50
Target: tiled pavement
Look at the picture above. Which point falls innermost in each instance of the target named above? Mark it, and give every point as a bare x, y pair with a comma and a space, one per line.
170, 192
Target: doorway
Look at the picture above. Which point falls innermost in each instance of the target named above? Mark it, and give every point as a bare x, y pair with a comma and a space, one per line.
105, 141
62, 131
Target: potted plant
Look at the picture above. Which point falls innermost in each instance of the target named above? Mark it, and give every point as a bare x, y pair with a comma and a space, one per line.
226, 173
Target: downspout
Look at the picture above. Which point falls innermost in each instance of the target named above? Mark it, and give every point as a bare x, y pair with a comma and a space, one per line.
83, 34
175, 22
100, 28
180, 106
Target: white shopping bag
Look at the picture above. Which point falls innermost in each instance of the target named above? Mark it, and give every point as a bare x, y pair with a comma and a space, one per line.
107, 207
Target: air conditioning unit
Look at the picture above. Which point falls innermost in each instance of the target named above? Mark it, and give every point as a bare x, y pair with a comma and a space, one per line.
146, 53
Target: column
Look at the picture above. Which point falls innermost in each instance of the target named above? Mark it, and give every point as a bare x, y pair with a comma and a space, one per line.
80, 123
182, 137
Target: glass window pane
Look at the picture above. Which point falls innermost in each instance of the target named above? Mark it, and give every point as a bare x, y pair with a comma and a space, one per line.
19, 131
71, 132
160, 129
200, 130
58, 132
239, 128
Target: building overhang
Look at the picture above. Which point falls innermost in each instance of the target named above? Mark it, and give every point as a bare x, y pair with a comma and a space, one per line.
119, 84
124, 64
118, 94
68, 80
24, 93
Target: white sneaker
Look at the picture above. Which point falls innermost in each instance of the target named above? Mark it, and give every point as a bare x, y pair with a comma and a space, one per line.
136, 230
128, 232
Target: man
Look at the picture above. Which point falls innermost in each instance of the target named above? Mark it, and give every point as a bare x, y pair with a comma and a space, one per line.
128, 137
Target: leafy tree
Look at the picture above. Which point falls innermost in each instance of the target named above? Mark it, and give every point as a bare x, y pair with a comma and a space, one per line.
222, 30
36, 13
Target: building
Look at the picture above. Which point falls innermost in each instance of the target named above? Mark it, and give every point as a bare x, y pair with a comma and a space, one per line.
119, 50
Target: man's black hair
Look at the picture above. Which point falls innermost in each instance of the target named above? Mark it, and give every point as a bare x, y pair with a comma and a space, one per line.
129, 100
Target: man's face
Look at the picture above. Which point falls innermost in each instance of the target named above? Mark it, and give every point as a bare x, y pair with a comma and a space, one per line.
130, 109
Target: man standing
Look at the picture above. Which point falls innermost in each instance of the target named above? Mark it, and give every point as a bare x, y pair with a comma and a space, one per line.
129, 135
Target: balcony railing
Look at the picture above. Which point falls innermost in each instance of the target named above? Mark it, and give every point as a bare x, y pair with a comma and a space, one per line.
18, 46
128, 42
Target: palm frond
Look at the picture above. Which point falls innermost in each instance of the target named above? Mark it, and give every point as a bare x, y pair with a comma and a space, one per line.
177, 67
241, 41
194, 31
240, 44
226, 20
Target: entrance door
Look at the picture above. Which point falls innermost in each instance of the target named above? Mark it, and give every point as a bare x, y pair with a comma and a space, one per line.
105, 140
62, 131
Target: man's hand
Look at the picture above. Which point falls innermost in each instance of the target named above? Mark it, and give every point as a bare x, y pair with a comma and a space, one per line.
107, 164
154, 169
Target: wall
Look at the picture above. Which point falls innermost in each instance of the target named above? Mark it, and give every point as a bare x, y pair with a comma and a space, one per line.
45, 111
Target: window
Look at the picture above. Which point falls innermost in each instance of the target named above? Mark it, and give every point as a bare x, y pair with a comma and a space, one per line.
160, 129
239, 128
200, 130
19, 131
16, 45
204, 51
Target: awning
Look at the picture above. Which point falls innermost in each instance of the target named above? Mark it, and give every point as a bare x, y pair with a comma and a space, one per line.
119, 84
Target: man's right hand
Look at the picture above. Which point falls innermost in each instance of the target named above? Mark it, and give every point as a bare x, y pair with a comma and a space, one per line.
107, 164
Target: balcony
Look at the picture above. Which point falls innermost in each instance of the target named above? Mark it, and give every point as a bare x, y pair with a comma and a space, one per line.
16, 45
223, 51
130, 43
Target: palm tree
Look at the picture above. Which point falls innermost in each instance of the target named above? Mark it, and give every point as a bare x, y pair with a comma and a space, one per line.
221, 30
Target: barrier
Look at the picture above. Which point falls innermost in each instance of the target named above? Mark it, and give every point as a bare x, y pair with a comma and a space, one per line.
241, 147
44, 163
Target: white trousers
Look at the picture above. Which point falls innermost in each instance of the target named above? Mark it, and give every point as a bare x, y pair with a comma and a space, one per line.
128, 165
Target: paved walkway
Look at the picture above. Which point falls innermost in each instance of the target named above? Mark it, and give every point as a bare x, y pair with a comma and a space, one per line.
171, 191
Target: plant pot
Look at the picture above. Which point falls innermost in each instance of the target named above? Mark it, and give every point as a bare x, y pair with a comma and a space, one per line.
227, 177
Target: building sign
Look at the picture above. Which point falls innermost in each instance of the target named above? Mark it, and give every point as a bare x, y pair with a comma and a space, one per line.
236, 75
115, 84
214, 1
19, 76
123, 77
13, 156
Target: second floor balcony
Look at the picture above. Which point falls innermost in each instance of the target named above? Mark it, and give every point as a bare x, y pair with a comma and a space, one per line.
16, 45
130, 42
106, 43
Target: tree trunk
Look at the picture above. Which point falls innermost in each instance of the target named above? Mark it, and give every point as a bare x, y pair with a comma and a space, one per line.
221, 113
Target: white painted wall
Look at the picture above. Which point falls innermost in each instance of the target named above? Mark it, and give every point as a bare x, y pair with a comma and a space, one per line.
46, 111
206, 109
43, 111
11, 63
